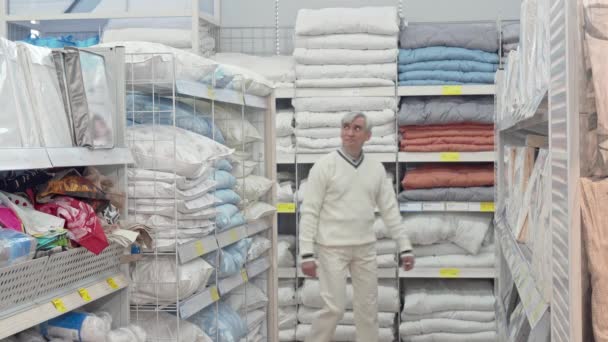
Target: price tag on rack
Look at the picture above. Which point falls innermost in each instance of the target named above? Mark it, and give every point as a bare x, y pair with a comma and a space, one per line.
84, 294
198, 246
211, 93
286, 208
433, 206
457, 206
234, 236
58, 304
486, 207
410, 207
244, 275
451, 90
112, 283
449, 156
449, 273
215, 295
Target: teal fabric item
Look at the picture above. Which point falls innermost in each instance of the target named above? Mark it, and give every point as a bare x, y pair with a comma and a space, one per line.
442, 53
224, 179
227, 196
454, 65
447, 76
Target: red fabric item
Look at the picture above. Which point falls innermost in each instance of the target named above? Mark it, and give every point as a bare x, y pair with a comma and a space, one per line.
83, 225
443, 176
418, 132
448, 148
448, 140
10, 220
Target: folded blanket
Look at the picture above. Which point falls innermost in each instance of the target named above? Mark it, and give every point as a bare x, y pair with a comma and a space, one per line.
345, 333
446, 147
443, 325
467, 230
428, 296
366, 148
388, 296
447, 76
472, 194
510, 33
306, 315
486, 336
457, 261
274, 68
386, 261
285, 141
385, 71
287, 335
447, 248
446, 110
335, 104
428, 83
449, 130
373, 20
480, 36
462, 66
343, 56
477, 316
440, 53
354, 41
440, 176
337, 142
506, 48
284, 123
344, 83
334, 119
457, 140
332, 132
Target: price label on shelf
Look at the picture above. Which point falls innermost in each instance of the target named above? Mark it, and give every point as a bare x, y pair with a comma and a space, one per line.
84, 294
449, 156
198, 246
112, 283
449, 273
234, 236
486, 206
433, 206
215, 295
244, 275
457, 206
410, 207
451, 90
286, 208
211, 93
58, 304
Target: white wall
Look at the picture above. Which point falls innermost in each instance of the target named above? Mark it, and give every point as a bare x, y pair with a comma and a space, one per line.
260, 13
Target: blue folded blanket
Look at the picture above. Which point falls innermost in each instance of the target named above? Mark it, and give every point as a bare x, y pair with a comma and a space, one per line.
463, 66
442, 53
447, 76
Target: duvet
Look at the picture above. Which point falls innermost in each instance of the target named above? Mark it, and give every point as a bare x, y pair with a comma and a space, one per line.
440, 176
475, 36
446, 110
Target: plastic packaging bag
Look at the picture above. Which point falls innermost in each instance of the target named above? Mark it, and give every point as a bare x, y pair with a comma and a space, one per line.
229, 326
15, 247
231, 258
79, 326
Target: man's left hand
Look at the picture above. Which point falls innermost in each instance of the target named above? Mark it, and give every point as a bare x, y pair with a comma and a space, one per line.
408, 262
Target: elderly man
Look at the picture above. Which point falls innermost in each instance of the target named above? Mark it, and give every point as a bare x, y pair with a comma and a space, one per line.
336, 234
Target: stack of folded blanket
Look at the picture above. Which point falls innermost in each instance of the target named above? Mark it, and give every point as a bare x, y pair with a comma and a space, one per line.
448, 310
358, 50
510, 37
436, 54
446, 124
284, 126
318, 122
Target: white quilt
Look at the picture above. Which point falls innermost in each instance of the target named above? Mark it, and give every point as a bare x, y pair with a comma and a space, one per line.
457, 261
366, 148
442, 325
285, 141
486, 336
337, 142
284, 122
388, 296
332, 132
287, 335
287, 295
307, 315
354, 41
387, 261
287, 317
344, 83
159, 222
374, 20
385, 71
337, 104
344, 57
428, 296
466, 230
285, 257
447, 248
477, 316
182, 183
274, 68
184, 207
159, 189
306, 120
345, 333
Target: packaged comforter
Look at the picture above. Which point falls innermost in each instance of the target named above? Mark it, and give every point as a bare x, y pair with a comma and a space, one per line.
446, 110
474, 36
441, 176
345, 333
306, 120
470, 194
307, 315
336, 104
353, 41
344, 56
380, 70
372, 20
428, 296
388, 296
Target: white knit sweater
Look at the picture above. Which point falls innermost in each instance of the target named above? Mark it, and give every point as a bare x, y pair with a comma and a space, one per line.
339, 204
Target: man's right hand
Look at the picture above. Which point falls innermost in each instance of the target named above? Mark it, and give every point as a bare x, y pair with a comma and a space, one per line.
309, 268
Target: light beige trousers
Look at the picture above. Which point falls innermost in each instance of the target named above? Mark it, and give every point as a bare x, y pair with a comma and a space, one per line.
333, 265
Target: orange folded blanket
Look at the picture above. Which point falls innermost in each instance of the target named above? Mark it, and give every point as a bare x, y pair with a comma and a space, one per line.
448, 148
460, 130
446, 176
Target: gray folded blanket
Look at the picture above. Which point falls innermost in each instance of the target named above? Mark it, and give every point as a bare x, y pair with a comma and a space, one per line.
472, 194
446, 110
481, 36
510, 33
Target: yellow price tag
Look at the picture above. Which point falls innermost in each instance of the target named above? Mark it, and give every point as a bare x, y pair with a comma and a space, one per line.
215, 296
244, 275
486, 207
234, 236
84, 294
211, 93
58, 304
286, 207
449, 273
198, 246
112, 283
451, 90
449, 156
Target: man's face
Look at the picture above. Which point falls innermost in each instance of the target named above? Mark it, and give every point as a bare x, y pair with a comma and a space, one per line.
354, 134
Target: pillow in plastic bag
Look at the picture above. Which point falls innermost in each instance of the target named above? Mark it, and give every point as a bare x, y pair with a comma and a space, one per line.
223, 214
131, 333
243, 168
285, 257
165, 327
235, 129
224, 323
253, 187
227, 196
223, 164
146, 109
223, 179
246, 298
231, 258
259, 246
162, 271
257, 210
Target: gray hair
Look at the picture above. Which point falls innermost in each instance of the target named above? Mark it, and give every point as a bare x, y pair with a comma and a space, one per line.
352, 116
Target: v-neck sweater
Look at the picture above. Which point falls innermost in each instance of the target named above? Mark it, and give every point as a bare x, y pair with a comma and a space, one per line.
339, 203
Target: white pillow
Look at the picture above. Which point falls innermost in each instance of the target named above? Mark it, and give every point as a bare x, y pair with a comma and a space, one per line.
258, 247
247, 298
287, 296
159, 189
252, 187
257, 210
243, 168
169, 177
284, 256
164, 326
236, 129
162, 222
284, 123
154, 277
285, 192
288, 317
168, 148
